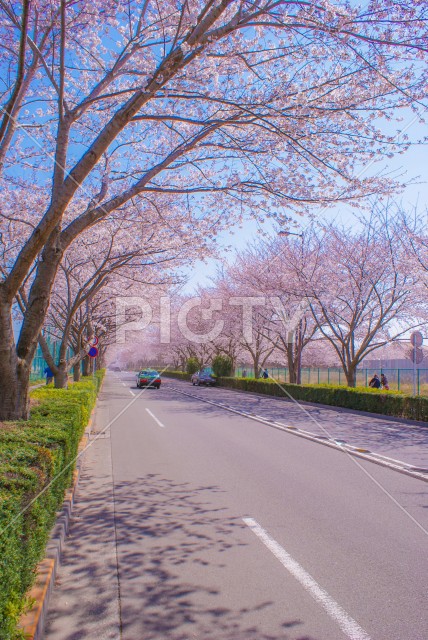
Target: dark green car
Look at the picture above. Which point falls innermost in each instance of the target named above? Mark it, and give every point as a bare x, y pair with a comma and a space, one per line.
148, 378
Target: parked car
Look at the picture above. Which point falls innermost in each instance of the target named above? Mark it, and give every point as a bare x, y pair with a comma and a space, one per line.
204, 376
148, 378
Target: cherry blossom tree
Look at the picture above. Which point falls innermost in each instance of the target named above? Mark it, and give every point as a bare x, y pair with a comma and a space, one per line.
70, 316
271, 270
246, 329
336, 294
361, 294
415, 239
99, 266
158, 108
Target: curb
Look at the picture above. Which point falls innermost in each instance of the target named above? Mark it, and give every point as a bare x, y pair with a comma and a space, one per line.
33, 622
422, 424
357, 452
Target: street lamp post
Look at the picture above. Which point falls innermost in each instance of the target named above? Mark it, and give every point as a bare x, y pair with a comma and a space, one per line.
416, 340
299, 330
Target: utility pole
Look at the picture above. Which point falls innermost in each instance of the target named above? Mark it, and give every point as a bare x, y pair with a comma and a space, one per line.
416, 355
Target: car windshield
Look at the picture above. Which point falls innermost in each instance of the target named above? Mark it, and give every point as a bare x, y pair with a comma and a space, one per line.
151, 374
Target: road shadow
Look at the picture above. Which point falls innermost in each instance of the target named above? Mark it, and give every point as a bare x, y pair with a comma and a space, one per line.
176, 549
377, 434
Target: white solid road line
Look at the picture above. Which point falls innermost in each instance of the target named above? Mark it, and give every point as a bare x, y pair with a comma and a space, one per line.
131, 392
154, 418
348, 625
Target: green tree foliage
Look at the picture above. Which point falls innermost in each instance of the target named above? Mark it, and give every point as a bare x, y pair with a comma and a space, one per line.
192, 365
222, 366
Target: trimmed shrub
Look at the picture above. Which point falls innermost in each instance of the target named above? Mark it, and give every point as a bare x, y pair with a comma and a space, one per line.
36, 455
192, 365
222, 365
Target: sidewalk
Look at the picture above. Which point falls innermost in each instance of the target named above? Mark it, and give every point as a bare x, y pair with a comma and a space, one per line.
85, 601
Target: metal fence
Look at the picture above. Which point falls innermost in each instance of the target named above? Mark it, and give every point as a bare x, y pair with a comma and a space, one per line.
398, 379
39, 364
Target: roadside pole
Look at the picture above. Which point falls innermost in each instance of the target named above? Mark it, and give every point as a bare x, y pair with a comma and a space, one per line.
416, 340
93, 353
414, 369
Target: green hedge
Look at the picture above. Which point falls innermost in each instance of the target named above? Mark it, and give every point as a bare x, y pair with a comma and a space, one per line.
380, 401
32, 455
388, 403
179, 375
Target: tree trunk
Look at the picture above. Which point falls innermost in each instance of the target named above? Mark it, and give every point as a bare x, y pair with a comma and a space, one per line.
256, 365
298, 353
291, 364
76, 372
38, 301
351, 376
100, 359
61, 378
87, 366
14, 390
14, 374
298, 365
15, 360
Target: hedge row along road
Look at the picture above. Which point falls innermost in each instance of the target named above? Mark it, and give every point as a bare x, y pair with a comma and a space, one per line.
387, 403
37, 459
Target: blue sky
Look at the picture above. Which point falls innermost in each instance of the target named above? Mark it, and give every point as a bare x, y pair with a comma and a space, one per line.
413, 164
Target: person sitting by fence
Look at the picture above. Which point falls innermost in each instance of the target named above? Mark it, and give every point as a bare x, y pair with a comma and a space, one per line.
375, 382
49, 375
384, 381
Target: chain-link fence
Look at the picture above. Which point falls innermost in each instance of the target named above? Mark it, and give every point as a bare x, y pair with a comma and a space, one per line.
39, 364
398, 379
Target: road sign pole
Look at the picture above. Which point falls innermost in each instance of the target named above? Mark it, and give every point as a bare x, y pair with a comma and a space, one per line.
416, 340
414, 368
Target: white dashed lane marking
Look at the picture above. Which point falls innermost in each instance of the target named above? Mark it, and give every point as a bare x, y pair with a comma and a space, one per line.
154, 418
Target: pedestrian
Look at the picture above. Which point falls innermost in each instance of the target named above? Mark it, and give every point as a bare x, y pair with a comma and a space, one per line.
49, 375
375, 382
244, 373
384, 381
265, 374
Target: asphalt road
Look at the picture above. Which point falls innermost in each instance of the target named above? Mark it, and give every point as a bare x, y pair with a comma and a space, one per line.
194, 522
